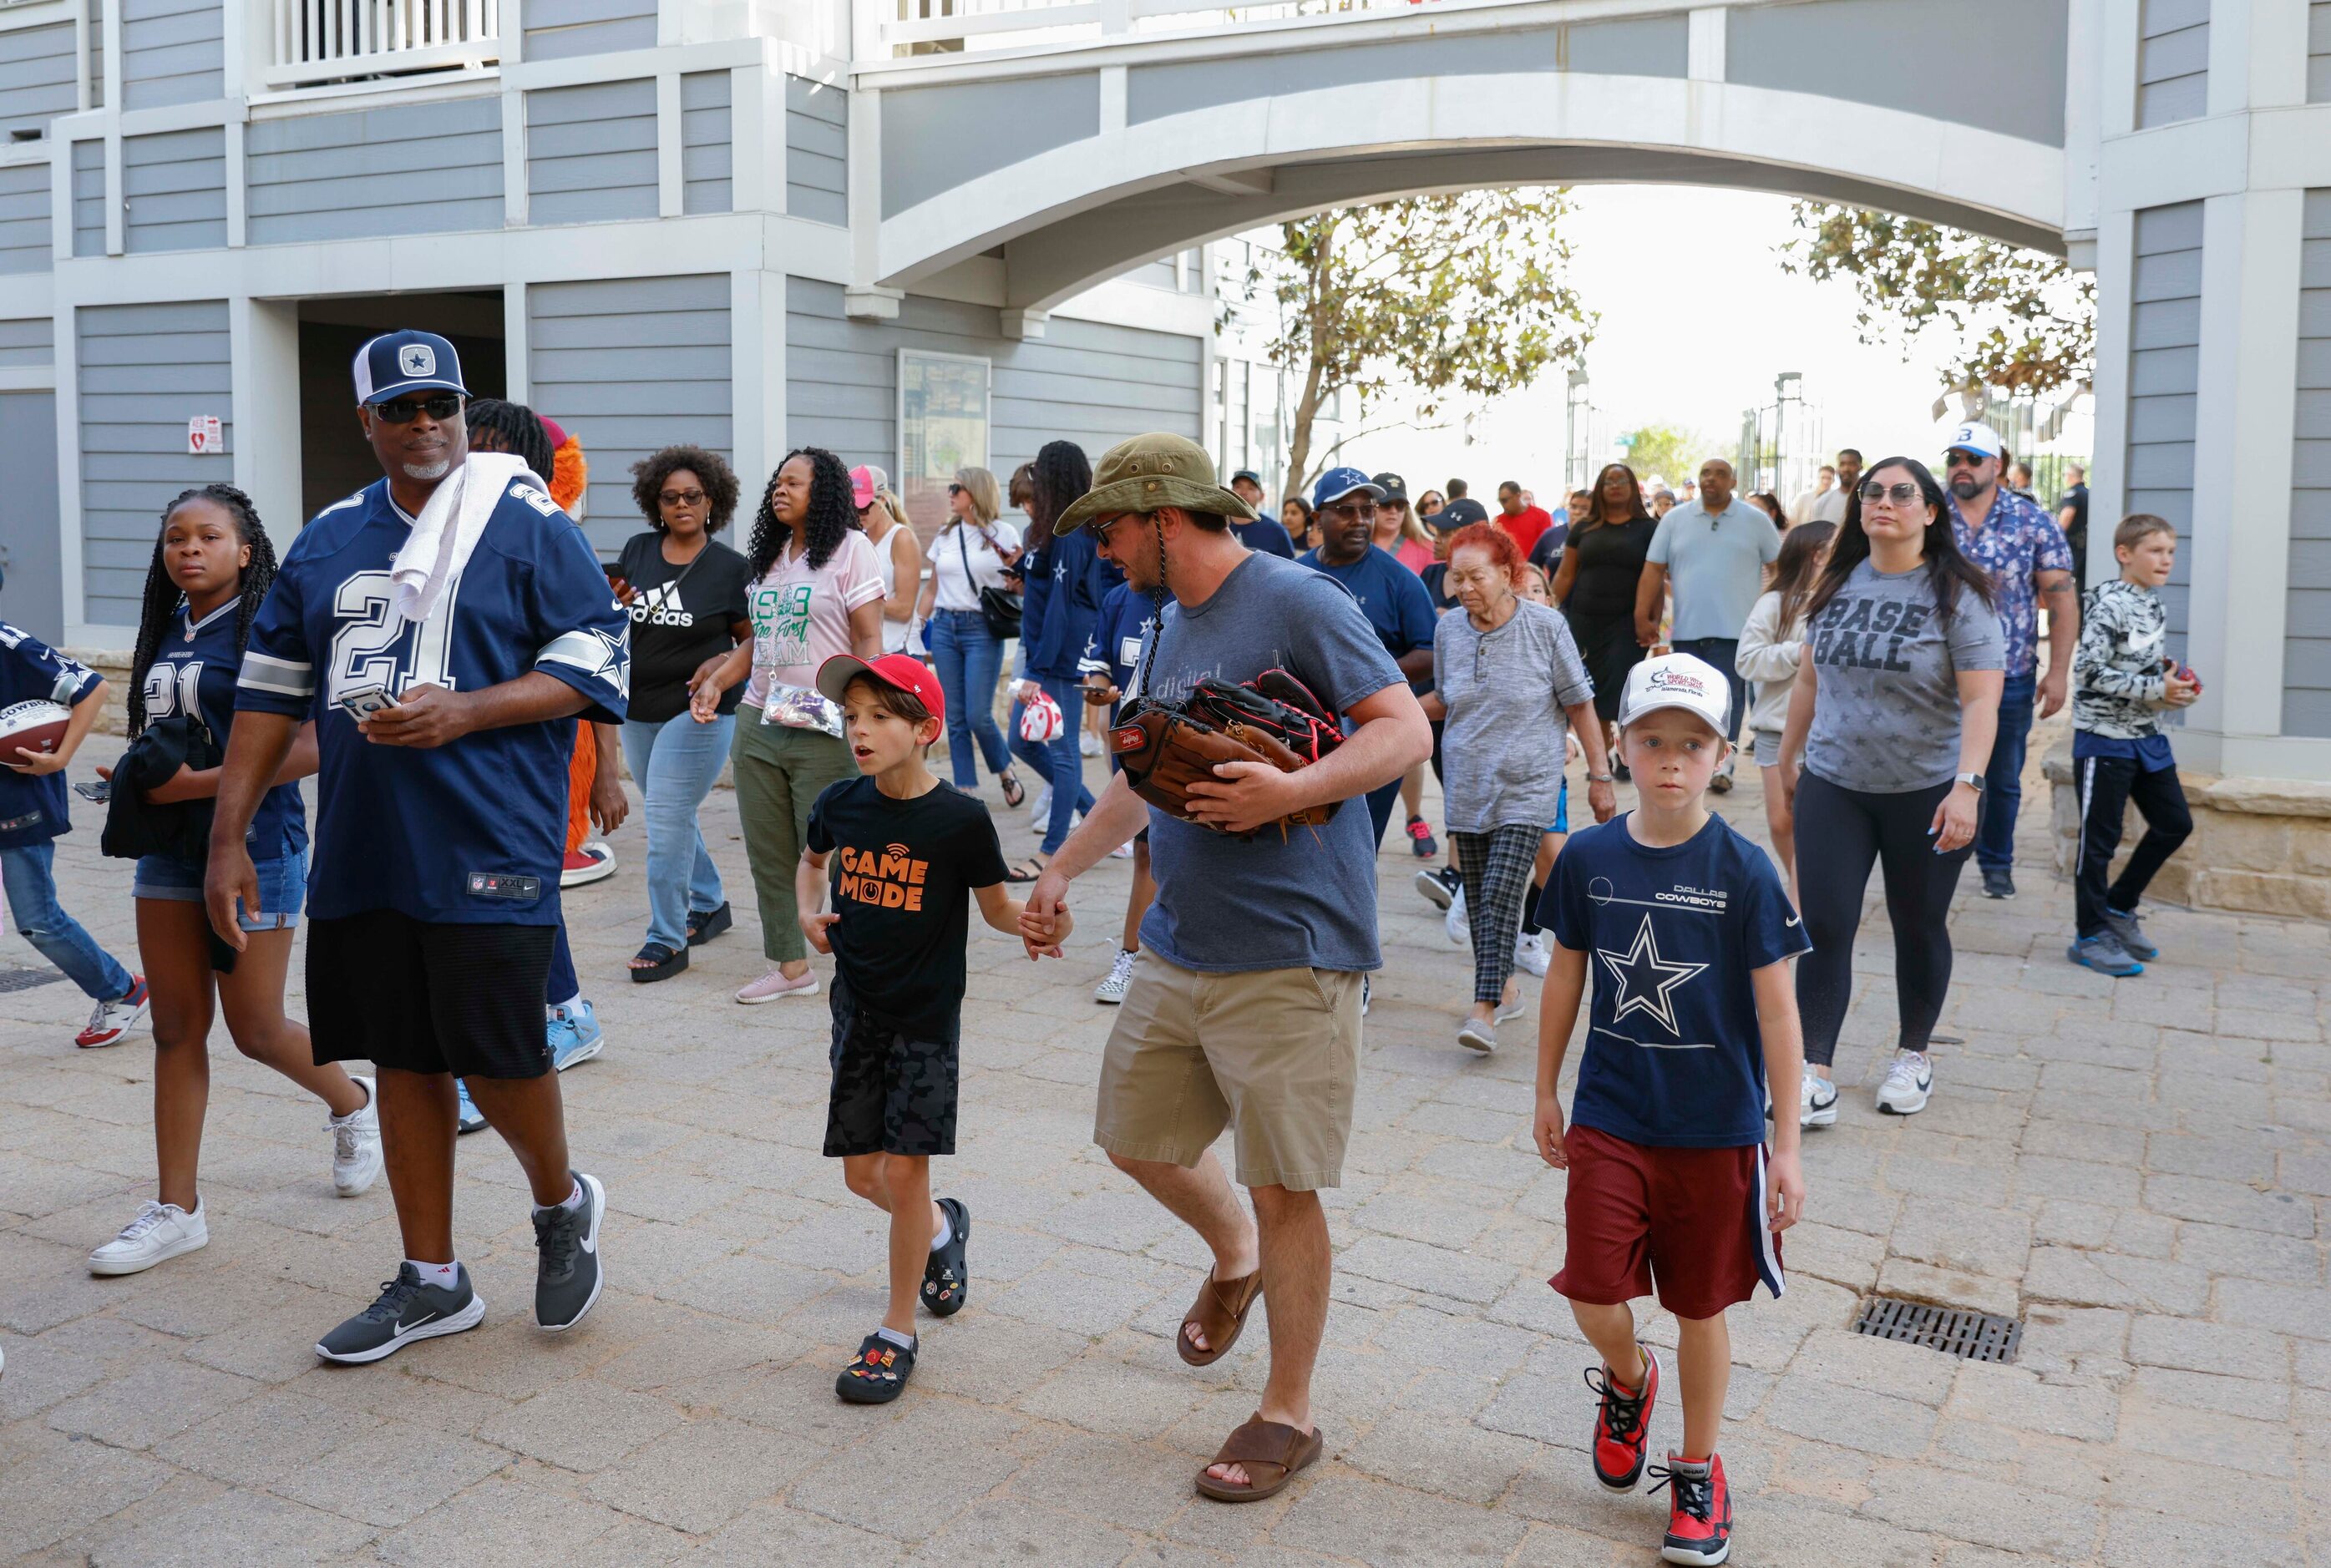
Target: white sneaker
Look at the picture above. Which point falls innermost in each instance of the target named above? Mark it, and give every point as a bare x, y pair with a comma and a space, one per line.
1530, 954
1123, 852
355, 1144
1088, 744
160, 1232
1111, 991
1909, 1083
1816, 1100
1514, 1009
1454, 923
1040, 810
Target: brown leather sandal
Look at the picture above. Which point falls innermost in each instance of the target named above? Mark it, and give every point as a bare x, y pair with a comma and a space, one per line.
1220, 1312
1271, 1452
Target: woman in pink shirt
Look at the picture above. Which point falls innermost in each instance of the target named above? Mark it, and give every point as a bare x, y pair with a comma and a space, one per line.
816, 590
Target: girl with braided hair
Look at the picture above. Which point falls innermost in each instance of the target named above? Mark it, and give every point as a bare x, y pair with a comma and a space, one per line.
212, 566
816, 591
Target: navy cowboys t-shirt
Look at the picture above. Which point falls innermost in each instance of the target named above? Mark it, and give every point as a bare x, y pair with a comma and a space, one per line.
194, 672
471, 832
1674, 1057
33, 804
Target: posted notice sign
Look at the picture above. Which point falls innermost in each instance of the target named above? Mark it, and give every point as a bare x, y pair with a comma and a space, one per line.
203, 435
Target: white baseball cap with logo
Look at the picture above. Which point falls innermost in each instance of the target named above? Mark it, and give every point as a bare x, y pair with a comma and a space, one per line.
1979, 439
1676, 680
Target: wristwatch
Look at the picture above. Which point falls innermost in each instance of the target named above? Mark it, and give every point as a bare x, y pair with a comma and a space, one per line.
1601, 778
1973, 781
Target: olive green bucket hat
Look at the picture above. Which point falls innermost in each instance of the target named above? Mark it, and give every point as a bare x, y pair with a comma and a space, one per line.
1147, 472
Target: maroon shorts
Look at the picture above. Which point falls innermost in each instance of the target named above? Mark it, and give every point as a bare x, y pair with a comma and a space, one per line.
1691, 1219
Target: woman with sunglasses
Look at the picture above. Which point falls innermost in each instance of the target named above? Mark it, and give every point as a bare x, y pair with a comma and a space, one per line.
974, 550
1891, 717
1602, 567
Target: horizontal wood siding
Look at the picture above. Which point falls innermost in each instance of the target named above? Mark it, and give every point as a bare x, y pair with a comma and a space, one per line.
2164, 359
32, 341
817, 142
97, 53
175, 187
145, 370
2319, 52
704, 137
627, 365
591, 152
26, 242
1082, 381
416, 168
89, 198
562, 29
2307, 628
36, 77
2172, 62
172, 51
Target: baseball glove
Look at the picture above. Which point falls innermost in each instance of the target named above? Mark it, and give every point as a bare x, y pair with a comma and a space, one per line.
1164, 747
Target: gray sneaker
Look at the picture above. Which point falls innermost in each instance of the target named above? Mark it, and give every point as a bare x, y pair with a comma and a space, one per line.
2104, 953
566, 1279
407, 1310
2131, 935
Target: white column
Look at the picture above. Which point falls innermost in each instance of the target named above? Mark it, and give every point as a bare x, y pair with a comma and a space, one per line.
264, 356
757, 373
517, 345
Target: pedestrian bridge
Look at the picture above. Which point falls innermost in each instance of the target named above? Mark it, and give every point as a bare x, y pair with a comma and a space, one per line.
1082, 136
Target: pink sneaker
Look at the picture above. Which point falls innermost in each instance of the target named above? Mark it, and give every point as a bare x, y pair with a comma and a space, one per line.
774, 985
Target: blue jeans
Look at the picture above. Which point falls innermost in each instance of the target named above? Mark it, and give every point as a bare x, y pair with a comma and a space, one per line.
28, 876
1064, 764
2003, 782
674, 764
967, 657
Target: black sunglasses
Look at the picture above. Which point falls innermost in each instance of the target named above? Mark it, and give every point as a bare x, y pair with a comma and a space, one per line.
955, 489
1902, 494
1349, 510
440, 406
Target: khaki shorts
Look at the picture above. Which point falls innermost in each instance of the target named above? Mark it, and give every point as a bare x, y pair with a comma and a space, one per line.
1274, 1051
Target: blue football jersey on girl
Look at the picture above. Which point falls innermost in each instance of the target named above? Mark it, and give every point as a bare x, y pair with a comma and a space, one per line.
33, 805
471, 832
194, 672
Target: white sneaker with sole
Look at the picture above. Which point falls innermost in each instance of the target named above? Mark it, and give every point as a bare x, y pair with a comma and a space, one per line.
1111, 991
160, 1232
1909, 1083
1816, 1100
355, 1144
1530, 954
1454, 923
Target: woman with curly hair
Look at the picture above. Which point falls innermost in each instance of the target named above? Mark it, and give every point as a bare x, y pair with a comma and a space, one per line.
816, 590
686, 593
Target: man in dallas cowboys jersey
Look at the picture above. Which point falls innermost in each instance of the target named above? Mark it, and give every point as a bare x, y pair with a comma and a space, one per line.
434, 894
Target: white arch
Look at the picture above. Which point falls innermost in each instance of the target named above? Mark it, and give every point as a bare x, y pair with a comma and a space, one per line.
1078, 213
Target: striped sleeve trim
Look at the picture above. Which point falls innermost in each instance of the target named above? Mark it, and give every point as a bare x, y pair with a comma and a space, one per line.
281, 677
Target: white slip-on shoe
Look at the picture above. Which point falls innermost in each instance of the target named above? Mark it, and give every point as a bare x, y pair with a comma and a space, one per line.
355, 1144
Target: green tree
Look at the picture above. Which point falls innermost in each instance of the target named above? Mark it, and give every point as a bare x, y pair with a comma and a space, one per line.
2015, 318
1439, 296
1670, 452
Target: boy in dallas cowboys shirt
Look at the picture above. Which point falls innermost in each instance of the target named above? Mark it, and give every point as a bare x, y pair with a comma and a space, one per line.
1690, 933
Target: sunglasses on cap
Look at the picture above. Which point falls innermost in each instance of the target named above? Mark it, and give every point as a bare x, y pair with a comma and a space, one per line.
440, 406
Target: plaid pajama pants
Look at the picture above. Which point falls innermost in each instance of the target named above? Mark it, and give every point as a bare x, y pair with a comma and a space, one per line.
1495, 869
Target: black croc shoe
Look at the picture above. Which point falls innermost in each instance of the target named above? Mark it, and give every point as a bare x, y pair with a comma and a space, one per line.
877, 1373
947, 1279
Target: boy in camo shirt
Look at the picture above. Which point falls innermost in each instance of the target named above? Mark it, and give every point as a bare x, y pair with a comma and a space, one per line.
2122, 677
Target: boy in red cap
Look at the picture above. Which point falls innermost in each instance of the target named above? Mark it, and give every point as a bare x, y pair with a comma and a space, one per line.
907, 851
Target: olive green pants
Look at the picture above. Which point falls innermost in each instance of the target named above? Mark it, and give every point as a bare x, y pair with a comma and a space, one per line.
779, 773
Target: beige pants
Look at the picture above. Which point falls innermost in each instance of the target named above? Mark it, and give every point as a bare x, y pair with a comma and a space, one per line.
1274, 1051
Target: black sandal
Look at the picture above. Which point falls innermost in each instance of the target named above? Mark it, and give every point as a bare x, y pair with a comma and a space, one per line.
1026, 870
711, 923
877, 1373
662, 964
1014, 791
947, 1278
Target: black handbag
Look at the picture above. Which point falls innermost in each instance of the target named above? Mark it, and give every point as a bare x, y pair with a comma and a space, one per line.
1000, 606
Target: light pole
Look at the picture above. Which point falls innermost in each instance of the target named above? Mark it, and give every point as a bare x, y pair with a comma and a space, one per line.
1577, 430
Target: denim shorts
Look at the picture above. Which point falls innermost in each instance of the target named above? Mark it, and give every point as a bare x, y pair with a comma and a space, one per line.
282, 887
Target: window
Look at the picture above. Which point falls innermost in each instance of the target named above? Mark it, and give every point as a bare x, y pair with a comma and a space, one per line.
943, 424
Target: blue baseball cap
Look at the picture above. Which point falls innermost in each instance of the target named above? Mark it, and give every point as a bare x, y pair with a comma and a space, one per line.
396, 363
1338, 482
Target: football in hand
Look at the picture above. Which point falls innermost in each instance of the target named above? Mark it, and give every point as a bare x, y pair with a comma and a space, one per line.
37, 726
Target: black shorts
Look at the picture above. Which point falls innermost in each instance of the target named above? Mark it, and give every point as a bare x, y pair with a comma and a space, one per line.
400, 993
891, 1095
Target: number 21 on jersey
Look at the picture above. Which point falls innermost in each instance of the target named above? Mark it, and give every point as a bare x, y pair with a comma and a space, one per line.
375, 646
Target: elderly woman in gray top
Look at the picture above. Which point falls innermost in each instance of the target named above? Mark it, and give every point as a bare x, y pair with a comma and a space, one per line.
1506, 680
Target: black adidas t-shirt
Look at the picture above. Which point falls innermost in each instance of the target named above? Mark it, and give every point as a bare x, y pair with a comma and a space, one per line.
673, 632
901, 874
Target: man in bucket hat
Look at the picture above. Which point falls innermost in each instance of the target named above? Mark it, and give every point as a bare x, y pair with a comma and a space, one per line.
1244, 1006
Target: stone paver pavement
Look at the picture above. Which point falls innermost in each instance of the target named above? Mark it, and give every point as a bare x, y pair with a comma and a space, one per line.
2140, 1170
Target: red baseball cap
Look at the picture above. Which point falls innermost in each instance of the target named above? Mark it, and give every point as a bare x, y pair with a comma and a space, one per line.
900, 671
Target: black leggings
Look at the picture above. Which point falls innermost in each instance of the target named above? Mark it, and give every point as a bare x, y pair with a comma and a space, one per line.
1841, 833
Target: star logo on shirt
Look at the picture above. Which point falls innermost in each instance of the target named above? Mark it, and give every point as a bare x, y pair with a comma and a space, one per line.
1646, 980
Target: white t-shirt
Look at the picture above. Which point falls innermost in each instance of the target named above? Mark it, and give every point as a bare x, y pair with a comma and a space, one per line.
895, 633
960, 543
801, 615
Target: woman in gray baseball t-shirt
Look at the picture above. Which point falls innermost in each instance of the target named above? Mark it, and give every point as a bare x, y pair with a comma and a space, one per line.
1892, 716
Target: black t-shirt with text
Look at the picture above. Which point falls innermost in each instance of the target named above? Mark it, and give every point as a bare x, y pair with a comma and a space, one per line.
901, 874
677, 625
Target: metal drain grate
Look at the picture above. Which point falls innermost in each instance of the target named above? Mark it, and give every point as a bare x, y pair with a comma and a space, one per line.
1969, 1335
26, 979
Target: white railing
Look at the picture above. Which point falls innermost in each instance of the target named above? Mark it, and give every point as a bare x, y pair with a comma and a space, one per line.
947, 27
321, 41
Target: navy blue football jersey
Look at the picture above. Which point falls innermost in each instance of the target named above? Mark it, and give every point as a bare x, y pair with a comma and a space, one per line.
33, 805
194, 673
471, 832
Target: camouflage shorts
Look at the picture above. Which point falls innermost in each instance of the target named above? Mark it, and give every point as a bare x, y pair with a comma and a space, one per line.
891, 1095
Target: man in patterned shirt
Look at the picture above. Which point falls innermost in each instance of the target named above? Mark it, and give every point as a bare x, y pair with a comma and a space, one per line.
2024, 551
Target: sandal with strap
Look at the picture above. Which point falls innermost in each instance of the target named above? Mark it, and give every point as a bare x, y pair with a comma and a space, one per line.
1014, 791
877, 1373
947, 1278
662, 964
1220, 1314
1026, 870
1263, 1448
704, 925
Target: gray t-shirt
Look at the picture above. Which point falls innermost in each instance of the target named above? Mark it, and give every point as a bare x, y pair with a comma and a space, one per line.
1502, 746
1887, 718
1225, 903
1715, 565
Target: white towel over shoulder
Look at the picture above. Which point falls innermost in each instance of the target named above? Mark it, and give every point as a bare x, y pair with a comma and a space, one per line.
450, 527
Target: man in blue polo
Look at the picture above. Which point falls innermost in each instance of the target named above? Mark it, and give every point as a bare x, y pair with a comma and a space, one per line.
1713, 549
2009, 536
